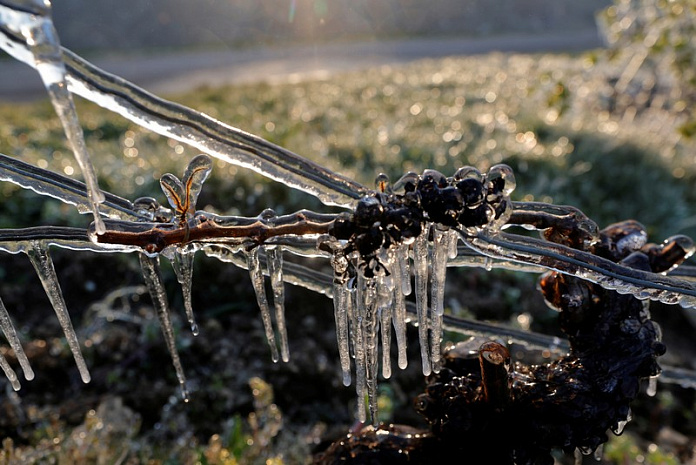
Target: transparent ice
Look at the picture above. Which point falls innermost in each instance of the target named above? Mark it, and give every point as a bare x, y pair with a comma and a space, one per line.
158, 294
259, 285
34, 25
41, 260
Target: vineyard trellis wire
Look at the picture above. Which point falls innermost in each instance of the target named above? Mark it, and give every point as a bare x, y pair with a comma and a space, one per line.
423, 221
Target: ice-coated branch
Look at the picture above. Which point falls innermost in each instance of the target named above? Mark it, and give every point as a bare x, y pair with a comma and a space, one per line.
194, 128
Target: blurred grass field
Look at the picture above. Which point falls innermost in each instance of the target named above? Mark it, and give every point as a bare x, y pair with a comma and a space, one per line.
556, 119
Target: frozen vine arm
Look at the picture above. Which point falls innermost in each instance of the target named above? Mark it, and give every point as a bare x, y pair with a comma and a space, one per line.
205, 133
28, 34
208, 227
642, 284
65, 189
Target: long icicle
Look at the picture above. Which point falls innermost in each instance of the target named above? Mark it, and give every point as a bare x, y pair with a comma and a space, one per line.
41, 260
183, 268
400, 274
274, 261
357, 315
441, 250
367, 302
420, 270
341, 301
8, 330
385, 295
258, 282
153, 280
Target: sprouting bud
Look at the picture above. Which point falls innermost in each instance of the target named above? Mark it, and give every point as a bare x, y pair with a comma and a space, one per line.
382, 184
502, 179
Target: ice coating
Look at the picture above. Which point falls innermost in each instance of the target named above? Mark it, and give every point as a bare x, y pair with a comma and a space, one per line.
258, 283
35, 27
183, 268
610, 275
155, 285
8, 330
65, 189
274, 262
183, 194
207, 134
41, 260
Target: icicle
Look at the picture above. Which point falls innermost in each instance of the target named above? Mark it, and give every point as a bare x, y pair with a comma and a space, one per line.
41, 40
441, 248
9, 373
420, 270
367, 302
183, 267
652, 386
259, 285
399, 311
384, 297
599, 453
153, 280
405, 271
341, 301
453, 239
274, 257
39, 257
11, 336
356, 312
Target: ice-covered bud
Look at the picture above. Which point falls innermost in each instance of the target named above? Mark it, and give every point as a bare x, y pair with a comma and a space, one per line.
468, 172
407, 183
501, 179
431, 179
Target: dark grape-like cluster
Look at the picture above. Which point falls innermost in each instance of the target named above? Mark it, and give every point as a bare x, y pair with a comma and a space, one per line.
466, 201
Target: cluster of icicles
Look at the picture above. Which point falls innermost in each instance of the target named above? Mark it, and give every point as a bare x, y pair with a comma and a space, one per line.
367, 306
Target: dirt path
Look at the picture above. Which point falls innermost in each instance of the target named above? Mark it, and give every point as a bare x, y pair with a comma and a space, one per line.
178, 72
